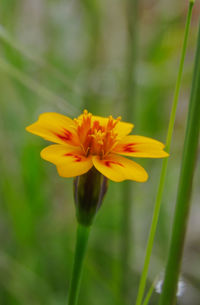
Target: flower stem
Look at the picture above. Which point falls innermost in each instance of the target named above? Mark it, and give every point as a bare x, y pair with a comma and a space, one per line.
81, 246
168, 295
164, 163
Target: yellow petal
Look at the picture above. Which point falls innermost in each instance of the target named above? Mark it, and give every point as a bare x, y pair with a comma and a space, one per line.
118, 168
69, 161
123, 128
56, 128
142, 147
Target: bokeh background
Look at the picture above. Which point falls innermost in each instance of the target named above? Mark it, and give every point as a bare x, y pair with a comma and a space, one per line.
111, 57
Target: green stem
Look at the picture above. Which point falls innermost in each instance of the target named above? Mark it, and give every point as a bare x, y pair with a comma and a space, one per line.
149, 293
168, 295
164, 163
81, 246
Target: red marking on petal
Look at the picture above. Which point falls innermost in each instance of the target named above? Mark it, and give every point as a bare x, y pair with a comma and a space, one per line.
66, 136
77, 158
129, 147
109, 162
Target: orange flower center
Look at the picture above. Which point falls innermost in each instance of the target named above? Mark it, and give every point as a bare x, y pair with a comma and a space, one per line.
96, 138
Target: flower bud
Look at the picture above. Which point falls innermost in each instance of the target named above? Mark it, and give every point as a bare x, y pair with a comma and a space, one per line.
89, 191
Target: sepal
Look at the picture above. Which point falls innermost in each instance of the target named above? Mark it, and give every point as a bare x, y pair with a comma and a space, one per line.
89, 191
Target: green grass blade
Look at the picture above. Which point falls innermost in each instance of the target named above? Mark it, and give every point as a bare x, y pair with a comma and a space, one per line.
164, 164
168, 295
149, 293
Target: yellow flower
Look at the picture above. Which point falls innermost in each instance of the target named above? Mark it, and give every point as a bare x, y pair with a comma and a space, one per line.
95, 141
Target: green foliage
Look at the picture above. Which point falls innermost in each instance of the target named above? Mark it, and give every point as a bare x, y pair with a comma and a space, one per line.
46, 65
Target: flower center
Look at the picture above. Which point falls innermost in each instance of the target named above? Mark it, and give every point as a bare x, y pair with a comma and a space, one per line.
97, 137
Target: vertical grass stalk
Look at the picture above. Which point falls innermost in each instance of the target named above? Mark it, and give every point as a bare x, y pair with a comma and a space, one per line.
131, 12
168, 295
150, 242
149, 293
80, 250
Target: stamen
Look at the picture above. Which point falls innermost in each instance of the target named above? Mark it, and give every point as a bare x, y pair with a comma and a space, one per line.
95, 138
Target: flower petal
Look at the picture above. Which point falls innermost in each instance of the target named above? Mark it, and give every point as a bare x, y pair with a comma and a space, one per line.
69, 161
118, 168
123, 128
56, 128
142, 147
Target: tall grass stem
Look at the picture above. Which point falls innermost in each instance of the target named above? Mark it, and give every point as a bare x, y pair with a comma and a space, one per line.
149, 293
150, 242
82, 236
168, 295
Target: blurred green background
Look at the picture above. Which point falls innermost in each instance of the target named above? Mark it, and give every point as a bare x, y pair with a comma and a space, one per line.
64, 56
